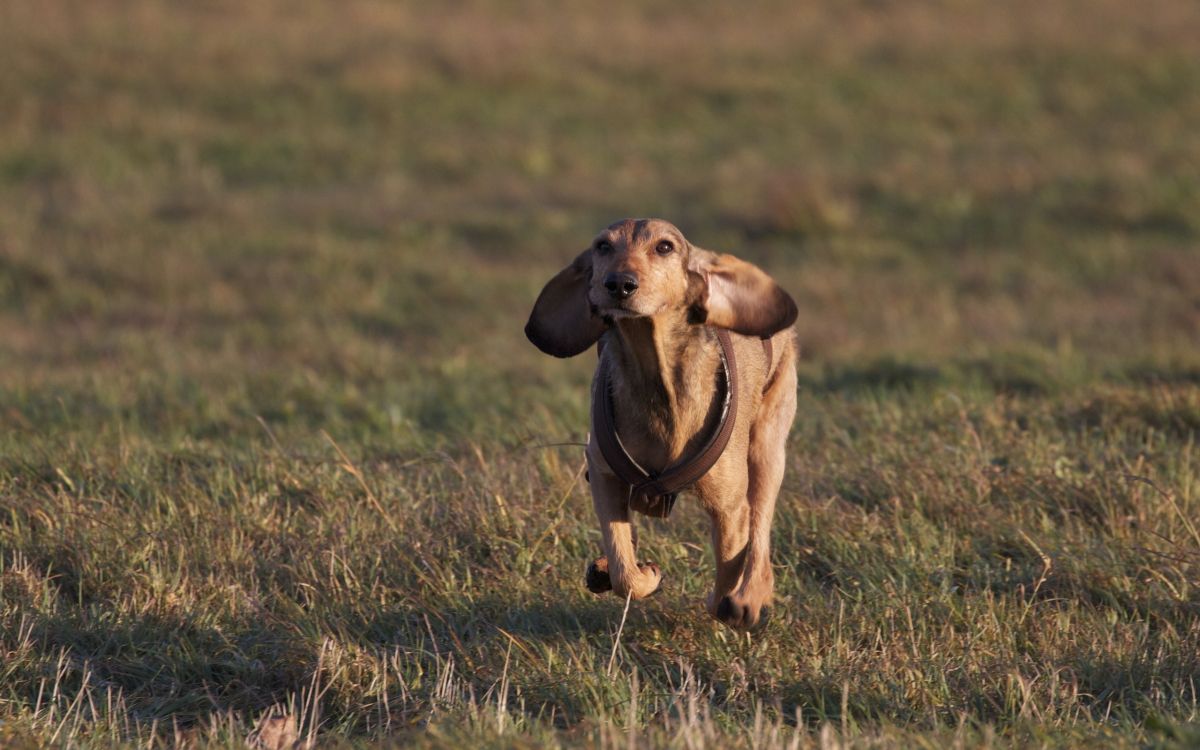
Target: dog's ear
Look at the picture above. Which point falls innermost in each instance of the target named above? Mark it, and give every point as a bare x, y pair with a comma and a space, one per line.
562, 323
730, 293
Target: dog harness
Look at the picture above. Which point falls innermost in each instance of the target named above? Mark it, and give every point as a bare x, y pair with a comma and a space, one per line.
654, 493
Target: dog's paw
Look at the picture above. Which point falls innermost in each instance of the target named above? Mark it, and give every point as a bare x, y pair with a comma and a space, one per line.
596, 579
646, 582
741, 613
654, 575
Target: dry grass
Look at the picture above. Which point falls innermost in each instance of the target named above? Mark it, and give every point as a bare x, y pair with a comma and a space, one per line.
276, 465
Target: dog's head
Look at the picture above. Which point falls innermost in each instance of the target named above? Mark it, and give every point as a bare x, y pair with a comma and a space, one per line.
646, 267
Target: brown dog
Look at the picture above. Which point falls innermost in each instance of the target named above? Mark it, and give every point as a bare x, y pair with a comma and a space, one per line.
656, 304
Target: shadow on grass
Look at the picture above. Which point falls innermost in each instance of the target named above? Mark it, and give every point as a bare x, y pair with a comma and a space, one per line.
1138, 687
1138, 684
553, 645
488, 618
880, 374
1014, 375
173, 671
164, 667
1174, 414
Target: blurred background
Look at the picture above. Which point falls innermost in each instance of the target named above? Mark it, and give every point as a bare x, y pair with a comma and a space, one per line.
272, 439
340, 213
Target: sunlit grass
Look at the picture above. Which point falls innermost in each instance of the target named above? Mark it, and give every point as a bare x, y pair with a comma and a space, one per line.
276, 463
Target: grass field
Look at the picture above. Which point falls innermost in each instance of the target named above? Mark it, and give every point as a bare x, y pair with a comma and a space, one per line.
277, 463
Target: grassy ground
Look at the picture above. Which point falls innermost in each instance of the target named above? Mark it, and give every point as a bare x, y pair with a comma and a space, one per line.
276, 461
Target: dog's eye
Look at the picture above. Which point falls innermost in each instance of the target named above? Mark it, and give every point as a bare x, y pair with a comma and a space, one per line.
664, 248
604, 247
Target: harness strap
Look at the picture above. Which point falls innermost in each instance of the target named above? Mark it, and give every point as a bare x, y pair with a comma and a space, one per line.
654, 493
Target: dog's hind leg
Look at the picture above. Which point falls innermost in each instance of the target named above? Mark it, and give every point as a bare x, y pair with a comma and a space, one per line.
767, 458
730, 514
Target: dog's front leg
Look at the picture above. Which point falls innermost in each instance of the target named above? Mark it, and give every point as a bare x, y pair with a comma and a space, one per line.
618, 570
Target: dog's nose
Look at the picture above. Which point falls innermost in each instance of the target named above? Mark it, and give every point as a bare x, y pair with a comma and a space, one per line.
621, 285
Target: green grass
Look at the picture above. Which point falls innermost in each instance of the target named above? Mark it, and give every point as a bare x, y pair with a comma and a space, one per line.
276, 460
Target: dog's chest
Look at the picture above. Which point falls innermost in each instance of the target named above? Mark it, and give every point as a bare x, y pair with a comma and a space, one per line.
648, 437
656, 434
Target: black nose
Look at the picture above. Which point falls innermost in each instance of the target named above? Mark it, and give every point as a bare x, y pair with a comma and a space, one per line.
621, 285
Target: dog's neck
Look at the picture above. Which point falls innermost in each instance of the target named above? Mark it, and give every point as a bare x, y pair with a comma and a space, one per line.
664, 379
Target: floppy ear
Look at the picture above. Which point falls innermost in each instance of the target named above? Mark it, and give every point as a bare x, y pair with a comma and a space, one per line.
562, 323
730, 293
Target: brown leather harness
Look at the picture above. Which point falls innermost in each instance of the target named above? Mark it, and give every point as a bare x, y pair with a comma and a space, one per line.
654, 493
